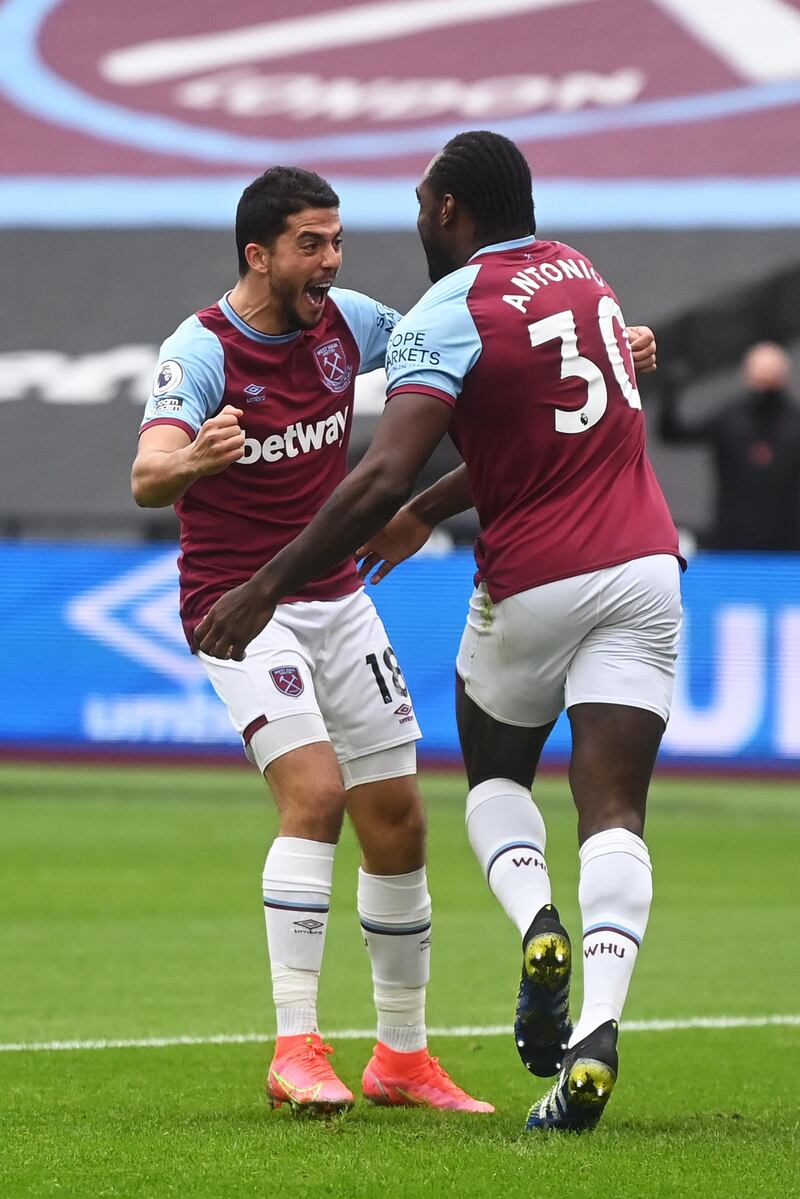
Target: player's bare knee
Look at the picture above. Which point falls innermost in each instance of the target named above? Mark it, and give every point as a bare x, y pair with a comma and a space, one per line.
406, 828
309, 792
389, 818
330, 802
315, 814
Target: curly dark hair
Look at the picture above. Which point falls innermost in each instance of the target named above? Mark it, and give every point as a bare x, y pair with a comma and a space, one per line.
490, 175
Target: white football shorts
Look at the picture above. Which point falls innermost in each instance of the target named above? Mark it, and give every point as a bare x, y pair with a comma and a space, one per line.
321, 671
607, 637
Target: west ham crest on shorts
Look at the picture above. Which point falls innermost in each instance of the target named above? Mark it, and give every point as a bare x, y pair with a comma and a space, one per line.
333, 365
288, 680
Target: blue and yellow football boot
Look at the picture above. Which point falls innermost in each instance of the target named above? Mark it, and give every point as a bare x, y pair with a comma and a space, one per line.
579, 1095
542, 1027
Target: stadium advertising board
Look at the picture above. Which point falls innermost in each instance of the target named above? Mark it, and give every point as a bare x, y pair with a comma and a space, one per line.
96, 658
633, 112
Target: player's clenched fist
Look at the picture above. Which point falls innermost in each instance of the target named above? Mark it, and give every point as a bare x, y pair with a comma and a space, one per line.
643, 347
168, 462
219, 442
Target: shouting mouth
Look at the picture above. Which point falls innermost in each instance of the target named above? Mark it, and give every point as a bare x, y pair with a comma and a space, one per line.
316, 294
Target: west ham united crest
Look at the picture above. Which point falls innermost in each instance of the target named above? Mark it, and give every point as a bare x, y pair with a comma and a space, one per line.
333, 366
288, 680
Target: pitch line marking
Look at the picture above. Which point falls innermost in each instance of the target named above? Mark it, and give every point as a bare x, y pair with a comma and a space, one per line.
364, 1034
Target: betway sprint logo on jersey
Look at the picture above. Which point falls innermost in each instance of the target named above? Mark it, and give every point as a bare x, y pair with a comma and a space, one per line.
297, 439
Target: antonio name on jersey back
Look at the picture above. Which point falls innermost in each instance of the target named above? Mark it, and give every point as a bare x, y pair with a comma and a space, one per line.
527, 343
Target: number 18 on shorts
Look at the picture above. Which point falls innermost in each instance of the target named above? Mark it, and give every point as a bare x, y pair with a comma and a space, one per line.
327, 659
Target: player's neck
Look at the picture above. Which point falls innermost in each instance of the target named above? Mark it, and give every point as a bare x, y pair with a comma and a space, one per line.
254, 306
479, 241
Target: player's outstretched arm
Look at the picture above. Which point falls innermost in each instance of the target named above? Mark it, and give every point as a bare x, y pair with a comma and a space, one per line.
168, 461
407, 532
408, 434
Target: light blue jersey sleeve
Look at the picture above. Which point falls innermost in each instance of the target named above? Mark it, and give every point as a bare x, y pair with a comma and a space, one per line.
190, 377
436, 344
370, 322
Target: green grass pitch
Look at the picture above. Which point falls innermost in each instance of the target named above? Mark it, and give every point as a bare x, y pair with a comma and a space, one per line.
131, 910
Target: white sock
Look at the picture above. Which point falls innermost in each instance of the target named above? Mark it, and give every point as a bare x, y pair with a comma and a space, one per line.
395, 913
507, 833
297, 896
615, 892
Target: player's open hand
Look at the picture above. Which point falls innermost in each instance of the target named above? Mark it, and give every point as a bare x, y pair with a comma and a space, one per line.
235, 619
400, 539
643, 348
219, 442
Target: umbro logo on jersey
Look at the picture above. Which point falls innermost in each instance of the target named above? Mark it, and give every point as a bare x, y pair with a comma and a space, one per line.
254, 393
405, 712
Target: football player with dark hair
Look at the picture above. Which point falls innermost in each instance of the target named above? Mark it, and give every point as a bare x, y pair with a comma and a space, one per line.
520, 352
246, 433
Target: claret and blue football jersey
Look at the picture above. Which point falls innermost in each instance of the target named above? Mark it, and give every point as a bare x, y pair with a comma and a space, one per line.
296, 392
527, 343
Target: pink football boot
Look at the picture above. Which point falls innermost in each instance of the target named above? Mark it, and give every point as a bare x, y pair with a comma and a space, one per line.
414, 1080
302, 1076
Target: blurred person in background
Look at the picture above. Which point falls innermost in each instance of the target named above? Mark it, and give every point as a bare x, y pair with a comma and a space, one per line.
755, 449
246, 433
520, 351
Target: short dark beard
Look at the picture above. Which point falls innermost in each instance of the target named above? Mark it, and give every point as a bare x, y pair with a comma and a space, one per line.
297, 322
294, 320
